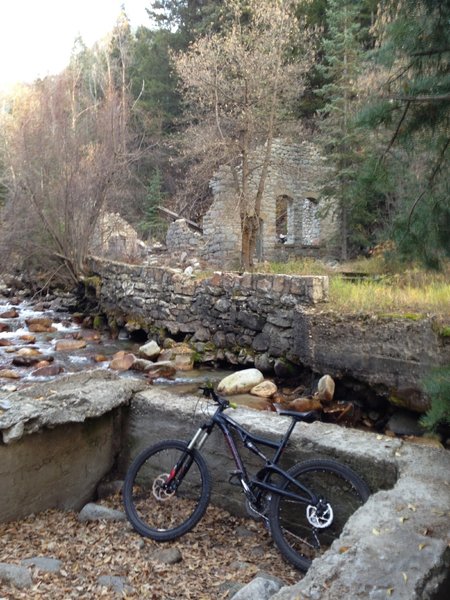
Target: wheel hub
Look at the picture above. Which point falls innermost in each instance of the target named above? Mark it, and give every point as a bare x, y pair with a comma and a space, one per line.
320, 516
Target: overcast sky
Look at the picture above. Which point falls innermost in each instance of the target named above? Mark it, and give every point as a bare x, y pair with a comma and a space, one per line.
37, 36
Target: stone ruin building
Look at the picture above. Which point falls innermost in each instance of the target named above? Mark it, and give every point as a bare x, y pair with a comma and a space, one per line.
116, 239
291, 222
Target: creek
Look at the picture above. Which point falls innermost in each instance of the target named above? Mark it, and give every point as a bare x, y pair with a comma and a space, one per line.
44, 361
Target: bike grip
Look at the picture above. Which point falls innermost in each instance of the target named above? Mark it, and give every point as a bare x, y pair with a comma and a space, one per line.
233, 405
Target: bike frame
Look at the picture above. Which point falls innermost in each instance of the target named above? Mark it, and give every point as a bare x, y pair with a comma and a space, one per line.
226, 424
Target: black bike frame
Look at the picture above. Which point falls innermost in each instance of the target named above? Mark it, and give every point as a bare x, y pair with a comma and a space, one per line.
227, 425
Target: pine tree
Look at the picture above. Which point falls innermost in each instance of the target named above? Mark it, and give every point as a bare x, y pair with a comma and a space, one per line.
152, 226
340, 69
412, 110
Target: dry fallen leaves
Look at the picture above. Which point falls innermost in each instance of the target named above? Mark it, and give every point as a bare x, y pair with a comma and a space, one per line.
215, 554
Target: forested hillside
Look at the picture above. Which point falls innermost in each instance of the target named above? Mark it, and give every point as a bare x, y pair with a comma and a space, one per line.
146, 117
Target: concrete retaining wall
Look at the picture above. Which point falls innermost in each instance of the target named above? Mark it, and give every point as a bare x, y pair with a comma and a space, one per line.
395, 546
157, 414
57, 468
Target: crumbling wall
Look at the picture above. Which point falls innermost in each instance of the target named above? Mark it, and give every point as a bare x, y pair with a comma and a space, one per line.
296, 172
181, 238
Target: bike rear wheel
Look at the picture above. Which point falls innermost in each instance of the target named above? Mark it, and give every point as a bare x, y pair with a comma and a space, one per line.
301, 531
166, 490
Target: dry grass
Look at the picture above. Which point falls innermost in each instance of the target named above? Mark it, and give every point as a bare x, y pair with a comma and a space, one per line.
378, 286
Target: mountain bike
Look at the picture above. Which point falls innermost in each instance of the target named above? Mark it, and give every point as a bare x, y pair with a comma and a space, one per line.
167, 487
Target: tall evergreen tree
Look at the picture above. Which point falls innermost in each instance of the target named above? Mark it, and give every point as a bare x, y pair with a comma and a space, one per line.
340, 69
413, 111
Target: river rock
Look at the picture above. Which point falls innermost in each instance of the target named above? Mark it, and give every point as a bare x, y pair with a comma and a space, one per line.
9, 374
69, 345
240, 382
47, 371
184, 362
6, 343
29, 352
122, 361
4, 327
325, 388
265, 389
38, 328
164, 369
28, 338
9, 314
150, 350
305, 404
45, 323
141, 364
25, 361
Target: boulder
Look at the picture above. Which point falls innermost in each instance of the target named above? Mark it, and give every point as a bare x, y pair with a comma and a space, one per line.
150, 350
240, 382
265, 389
122, 361
325, 388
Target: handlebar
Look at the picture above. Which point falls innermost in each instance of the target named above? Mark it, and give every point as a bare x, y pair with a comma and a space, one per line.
209, 392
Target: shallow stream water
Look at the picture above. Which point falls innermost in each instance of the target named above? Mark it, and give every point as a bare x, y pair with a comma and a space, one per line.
97, 354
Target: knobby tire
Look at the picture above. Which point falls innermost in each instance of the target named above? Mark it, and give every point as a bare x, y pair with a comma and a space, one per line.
299, 541
166, 516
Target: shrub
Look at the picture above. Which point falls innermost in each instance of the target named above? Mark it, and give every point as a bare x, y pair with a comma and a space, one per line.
437, 386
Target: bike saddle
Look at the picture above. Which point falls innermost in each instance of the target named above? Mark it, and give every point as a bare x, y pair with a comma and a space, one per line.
308, 416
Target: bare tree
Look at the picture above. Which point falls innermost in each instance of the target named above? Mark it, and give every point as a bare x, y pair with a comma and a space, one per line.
63, 153
238, 85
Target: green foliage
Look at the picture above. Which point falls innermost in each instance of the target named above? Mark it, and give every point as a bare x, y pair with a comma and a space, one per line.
153, 80
340, 139
152, 226
189, 18
437, 386
412, 113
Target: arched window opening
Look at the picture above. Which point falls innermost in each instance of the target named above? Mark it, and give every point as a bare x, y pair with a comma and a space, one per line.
283, 219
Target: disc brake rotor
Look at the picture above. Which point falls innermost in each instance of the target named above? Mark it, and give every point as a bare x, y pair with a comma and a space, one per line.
159, 490
319, 519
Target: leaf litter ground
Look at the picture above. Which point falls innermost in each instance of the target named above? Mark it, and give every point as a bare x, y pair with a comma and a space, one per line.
219, 552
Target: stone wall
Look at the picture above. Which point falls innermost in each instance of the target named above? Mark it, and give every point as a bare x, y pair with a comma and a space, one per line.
257, 319
182, 239
253, 312
114, 238
296, 173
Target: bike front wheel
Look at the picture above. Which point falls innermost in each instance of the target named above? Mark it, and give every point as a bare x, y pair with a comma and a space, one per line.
166, 490
302, 531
